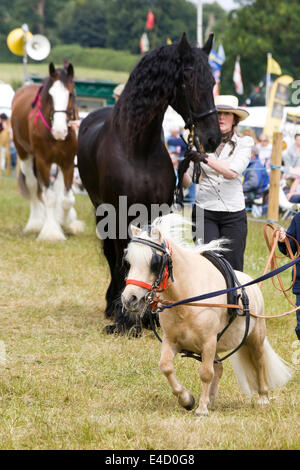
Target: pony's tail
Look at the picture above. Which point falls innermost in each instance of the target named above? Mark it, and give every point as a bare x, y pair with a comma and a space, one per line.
277, 371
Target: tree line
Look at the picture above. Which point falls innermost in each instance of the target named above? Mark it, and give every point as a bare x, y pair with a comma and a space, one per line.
253, 29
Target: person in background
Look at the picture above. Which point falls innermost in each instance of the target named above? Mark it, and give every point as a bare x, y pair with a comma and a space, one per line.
118, 91
175, 141
220, 192
294, 231
292, 159
256, 178
265, 150
250, 132
5, 143
294, 193
175, 157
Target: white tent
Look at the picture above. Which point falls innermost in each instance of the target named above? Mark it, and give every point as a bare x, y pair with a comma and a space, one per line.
258, 115
6, 96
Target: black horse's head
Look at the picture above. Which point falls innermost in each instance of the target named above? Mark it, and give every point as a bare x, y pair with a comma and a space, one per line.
194, 95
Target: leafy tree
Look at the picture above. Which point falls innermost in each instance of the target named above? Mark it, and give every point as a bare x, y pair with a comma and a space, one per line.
126, 22
83, 23
260, 27
214, 21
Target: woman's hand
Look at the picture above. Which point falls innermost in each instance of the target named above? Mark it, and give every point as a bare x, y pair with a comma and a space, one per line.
282, 235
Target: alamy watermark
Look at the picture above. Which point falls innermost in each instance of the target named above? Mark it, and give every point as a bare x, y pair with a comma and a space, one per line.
115, 223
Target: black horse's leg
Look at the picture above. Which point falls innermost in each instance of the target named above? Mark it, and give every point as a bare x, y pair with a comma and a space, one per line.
110, 255
124, 321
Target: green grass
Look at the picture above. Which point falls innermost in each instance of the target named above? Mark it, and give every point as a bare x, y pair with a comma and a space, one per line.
66, 385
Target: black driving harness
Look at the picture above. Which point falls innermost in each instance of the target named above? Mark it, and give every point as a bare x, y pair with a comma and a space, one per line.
158, 266
232, 298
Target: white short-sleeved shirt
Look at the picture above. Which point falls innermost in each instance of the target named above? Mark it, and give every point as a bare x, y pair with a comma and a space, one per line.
216, 193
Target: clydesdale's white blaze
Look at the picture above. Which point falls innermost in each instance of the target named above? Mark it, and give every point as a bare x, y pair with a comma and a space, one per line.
60, 97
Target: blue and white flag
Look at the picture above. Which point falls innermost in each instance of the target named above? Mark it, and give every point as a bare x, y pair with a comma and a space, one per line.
216, 60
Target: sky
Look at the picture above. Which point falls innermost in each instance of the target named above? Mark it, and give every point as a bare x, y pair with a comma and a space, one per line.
226, 4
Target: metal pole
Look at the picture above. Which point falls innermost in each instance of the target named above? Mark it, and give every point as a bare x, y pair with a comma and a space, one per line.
268, 79
199, 24
25, 31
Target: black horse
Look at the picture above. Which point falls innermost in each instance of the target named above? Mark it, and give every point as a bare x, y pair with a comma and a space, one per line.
121, 151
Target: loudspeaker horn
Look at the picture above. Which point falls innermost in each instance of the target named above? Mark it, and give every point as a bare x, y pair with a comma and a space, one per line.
17, 39
38, 47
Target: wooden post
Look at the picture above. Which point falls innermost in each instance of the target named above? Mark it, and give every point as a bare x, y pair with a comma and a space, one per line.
275, 175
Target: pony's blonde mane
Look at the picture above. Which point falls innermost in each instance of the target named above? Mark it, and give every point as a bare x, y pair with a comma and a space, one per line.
176, 228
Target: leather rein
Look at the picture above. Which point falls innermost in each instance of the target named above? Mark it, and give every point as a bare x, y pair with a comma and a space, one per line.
166, 271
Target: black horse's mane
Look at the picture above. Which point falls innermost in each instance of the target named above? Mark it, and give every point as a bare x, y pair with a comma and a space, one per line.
154, 82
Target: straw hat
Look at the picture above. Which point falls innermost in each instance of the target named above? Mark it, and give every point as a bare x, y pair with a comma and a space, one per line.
230, 104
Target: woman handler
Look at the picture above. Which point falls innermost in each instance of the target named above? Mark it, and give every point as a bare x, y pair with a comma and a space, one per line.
220, 191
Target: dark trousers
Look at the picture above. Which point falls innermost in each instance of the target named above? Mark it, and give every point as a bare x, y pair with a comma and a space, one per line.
297, 329
230, 225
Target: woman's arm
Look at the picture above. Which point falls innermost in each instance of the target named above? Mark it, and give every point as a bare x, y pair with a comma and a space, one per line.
221, 167
293, 188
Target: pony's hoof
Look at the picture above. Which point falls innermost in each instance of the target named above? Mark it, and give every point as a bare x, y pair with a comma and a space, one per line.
263, 400
202, 412
187, 401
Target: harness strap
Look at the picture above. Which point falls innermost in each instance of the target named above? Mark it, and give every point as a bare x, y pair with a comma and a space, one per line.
38, 113
139, 283
231, 280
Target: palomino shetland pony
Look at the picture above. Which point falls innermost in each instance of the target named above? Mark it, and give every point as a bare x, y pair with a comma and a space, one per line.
195, 329
40, 116
121, 151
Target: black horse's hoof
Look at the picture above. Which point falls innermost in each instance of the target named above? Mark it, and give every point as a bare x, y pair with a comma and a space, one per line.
109, 329
110, 311
134, 331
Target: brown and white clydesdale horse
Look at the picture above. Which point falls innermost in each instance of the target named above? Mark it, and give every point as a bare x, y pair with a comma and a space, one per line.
42, 135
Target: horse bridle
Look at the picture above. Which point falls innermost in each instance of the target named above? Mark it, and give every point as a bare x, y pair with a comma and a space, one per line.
69, 111
163, 274
190, 123
39, 113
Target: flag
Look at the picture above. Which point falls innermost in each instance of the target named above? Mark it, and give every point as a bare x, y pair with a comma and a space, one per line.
144, 43
221, 54
216, 60
150, 20
237, 77
277, 101
273, 66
